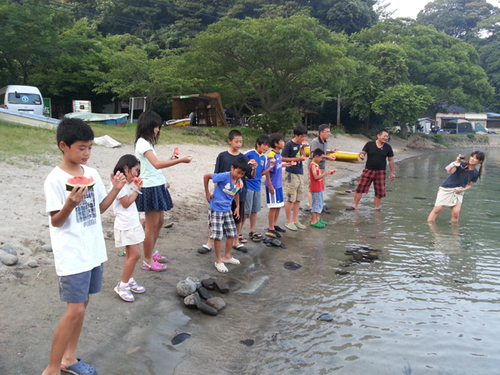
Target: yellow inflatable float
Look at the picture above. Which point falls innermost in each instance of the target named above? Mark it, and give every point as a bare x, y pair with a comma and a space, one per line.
339, 155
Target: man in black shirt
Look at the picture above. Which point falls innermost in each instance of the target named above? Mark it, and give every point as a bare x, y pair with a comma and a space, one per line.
378, 152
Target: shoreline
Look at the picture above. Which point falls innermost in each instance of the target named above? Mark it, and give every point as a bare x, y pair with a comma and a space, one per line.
30, 297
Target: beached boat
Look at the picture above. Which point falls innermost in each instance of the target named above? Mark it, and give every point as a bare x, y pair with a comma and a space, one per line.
100, 118
346, 156
178, 123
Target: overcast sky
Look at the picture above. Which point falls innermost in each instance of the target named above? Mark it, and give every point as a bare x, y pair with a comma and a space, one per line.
410, 8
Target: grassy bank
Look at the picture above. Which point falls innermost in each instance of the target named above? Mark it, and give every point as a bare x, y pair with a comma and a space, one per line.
25, 144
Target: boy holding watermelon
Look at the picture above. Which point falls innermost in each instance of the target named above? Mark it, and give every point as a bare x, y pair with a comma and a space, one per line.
76, 198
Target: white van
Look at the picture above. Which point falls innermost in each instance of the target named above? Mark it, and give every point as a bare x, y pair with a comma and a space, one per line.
23, 99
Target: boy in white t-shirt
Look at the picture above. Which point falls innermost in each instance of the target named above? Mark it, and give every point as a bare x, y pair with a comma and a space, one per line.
77, 239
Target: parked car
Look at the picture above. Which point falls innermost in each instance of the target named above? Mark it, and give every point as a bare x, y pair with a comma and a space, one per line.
22, 99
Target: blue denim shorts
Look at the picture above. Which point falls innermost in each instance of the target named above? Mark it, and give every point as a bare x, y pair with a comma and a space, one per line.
317, 202
76, 288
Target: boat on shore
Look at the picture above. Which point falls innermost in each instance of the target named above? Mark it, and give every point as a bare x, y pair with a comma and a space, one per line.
178, 123
100, 118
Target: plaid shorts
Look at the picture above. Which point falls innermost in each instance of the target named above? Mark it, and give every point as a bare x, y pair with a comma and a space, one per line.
221, 223
379, 181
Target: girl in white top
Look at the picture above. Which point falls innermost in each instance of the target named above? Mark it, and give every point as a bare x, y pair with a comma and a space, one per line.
128, 229
155, 198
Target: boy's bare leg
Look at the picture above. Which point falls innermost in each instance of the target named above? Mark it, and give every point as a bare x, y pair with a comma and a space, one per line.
253, 221
276, 216
271, 218
288, 212
210, 242
238, 229
314, 217
227, 253
217, 247
66, 338
377, 201
296, 208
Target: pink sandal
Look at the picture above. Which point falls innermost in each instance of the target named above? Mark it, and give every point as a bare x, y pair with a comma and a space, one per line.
157, 267
159, 258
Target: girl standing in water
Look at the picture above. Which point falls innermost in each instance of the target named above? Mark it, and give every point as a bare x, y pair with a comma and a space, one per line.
462, 175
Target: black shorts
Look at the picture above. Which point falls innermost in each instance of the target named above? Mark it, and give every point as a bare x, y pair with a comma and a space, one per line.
242, 211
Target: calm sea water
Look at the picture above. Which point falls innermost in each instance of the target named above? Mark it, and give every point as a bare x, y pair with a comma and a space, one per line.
428, 305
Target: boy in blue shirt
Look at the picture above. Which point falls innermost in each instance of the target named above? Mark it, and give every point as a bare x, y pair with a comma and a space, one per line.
220, 217
223, 164
252, 203
274, 184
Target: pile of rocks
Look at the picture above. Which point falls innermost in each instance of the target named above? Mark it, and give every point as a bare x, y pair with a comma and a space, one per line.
196, 294
364, 254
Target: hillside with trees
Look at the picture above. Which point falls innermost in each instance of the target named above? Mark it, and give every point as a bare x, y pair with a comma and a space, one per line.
267, 58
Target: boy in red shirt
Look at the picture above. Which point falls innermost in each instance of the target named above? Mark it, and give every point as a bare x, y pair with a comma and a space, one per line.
316, 188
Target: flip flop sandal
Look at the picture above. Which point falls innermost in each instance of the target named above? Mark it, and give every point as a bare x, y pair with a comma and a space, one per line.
241, 248
159, 258
273, 234
255, 235
204, 249
221, 267
157, 267
242, 239
79, 368
350, 208
231, 261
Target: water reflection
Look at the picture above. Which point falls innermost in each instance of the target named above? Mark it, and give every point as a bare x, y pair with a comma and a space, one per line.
427, 306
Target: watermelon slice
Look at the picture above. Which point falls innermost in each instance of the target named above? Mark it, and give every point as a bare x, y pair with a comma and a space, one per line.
80, 181
176, 152
252, 161
137, 180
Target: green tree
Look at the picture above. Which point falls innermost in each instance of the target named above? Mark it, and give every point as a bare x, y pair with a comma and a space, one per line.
448, 67
456, 18
403, 103
68, 74
127, 71
29, 35
272, 64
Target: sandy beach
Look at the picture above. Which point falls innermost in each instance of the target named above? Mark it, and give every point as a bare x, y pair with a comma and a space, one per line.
29, 295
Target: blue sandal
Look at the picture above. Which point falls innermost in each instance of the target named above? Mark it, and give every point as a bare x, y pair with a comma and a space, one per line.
79, 368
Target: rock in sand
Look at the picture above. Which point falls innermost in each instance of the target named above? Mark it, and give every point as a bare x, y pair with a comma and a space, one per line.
185, 288
216, 302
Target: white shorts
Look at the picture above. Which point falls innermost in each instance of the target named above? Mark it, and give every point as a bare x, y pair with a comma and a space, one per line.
447, 197
128, 237
275, 200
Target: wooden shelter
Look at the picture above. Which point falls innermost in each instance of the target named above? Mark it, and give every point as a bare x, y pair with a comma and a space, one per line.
207, 108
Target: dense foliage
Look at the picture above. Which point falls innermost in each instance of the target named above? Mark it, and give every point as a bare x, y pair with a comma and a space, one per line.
268, 59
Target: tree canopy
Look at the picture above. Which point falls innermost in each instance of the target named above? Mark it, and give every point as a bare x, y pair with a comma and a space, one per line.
271, 65
267, 58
